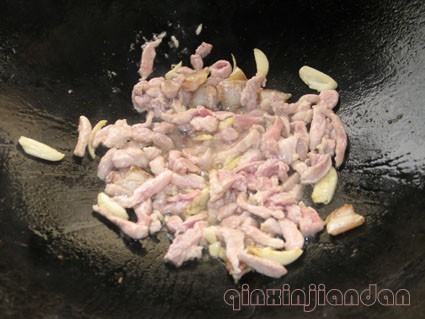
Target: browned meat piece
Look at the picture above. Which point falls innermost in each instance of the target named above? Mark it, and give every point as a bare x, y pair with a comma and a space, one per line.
195, 80
84, 131
263, 266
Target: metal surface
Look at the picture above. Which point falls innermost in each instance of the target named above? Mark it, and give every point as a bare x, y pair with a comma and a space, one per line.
58, 260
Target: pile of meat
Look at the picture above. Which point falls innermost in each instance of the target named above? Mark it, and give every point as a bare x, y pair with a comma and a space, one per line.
220, 158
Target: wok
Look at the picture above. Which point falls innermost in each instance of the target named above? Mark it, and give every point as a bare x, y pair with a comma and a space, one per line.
60, 59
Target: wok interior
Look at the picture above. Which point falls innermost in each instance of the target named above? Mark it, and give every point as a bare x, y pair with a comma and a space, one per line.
54, 248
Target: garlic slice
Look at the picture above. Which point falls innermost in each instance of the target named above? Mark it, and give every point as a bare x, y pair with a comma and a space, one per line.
111, 206
202, 137
226, 123
232, 163
262, 62
216, 250
209, 235
172, 73
317, 80
40, 150
199, 203
324, 189
284, 257
343, 219
93, 133
237, 74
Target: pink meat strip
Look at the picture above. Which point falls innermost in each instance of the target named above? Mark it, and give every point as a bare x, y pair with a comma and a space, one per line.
291, 234
201, 52
148, 57
341, 138
318, 127
84, 131
263, 266
321, 163
133, 230
249, 96
234, 243
262, 238
185, 247
148, 189
310, 222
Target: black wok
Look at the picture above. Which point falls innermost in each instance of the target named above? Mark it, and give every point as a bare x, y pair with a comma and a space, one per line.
56, 62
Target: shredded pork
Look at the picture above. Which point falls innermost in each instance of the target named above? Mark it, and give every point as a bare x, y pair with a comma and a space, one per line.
226, 155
